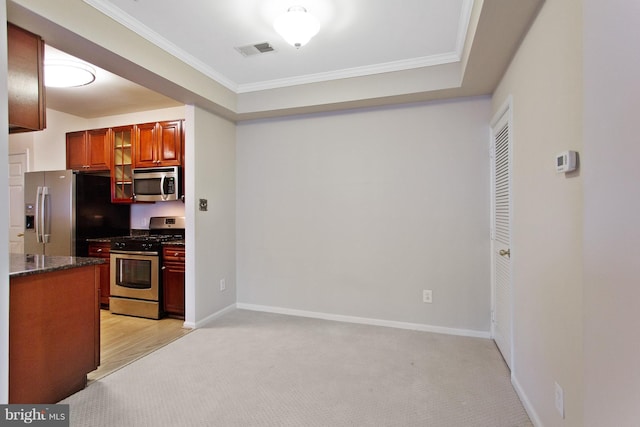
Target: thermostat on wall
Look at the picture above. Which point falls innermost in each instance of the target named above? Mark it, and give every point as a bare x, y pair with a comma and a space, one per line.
566, 161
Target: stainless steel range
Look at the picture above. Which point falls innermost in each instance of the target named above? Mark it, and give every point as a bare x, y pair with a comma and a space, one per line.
136, 282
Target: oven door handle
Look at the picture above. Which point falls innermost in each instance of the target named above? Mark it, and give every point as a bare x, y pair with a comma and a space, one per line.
143, 253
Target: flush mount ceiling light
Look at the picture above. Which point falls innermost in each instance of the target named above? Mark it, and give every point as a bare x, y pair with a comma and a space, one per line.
66, 73
297, 26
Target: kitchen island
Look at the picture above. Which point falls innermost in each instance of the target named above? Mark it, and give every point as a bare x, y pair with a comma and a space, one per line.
54, 326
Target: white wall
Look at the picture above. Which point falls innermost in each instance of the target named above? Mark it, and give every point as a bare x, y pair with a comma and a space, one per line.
355, 213
211, 242
47, 148
545, 81
612, 213
163, 114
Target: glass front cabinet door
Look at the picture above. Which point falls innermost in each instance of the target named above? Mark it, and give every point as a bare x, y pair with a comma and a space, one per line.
121, 174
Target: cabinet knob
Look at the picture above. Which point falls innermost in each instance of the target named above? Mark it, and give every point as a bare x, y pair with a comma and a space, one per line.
176, 254
99, 250
163, 268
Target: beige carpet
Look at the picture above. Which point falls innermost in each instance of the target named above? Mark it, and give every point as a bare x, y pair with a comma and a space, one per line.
260, 369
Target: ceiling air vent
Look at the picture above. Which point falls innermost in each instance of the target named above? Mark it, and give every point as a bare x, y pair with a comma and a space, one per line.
255, 49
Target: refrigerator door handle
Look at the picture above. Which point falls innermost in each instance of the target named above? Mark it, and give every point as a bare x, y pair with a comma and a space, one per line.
38, 215
46, 232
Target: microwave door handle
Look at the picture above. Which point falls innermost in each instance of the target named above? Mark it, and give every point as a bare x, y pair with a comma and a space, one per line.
164, 196
38, 216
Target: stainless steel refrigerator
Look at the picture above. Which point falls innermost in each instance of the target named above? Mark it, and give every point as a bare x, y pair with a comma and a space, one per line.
64, 208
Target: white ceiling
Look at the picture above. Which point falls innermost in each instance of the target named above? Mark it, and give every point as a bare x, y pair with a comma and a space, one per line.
108, 95
356, 38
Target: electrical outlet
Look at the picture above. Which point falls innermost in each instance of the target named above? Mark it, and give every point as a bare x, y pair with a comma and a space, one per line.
223, 285
559, 400
427, 296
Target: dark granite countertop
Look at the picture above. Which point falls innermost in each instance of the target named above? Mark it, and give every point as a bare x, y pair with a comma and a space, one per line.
100, 240
26, 264
174, 243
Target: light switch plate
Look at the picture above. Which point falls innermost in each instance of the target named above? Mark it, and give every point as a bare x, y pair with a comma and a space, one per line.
203, 204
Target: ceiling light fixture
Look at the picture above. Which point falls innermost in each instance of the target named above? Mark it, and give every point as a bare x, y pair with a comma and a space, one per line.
65, 73
297, 26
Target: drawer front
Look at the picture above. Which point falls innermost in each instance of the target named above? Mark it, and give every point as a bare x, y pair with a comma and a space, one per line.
100, 250
173, 254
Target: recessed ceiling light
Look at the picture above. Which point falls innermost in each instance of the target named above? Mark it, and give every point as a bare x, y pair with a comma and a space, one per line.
66, 73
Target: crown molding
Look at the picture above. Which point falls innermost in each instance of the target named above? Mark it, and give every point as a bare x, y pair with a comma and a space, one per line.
145, 32
463, 25
388, 67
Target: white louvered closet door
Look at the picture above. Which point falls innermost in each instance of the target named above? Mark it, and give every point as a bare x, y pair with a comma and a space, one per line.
501, 315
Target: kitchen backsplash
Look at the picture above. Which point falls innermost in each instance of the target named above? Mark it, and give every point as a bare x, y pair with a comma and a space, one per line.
141, 212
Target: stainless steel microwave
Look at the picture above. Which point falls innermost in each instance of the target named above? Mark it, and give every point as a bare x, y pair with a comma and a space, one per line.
159, 184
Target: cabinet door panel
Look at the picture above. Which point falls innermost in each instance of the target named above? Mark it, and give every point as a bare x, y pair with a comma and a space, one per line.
99, 149
122, 164
173, 280
146, 145
173, 289
25, 80
103, 250
76, 150
170, 143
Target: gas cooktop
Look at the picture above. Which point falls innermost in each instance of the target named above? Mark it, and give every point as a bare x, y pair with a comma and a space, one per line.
161, 229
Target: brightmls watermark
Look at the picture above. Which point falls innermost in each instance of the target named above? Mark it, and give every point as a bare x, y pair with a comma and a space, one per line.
34, 415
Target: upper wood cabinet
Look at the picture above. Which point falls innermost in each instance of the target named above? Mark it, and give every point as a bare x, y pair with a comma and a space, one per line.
25, 79
122, 167
123, 148
89, 150
158, 144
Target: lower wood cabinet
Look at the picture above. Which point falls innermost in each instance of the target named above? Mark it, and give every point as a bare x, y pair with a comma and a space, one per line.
102, 250
173, 280
54, 334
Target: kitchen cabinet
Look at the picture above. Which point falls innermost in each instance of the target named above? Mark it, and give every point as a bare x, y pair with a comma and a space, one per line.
89, 150
102, 250
54, 332
25, 80
123, 148
121, 170
159, 144
173, 257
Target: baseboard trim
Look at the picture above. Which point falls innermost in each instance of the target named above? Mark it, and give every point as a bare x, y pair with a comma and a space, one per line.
366, 321
533, 415
209, 318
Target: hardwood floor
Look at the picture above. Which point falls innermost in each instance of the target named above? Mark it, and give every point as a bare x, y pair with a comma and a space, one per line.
124, 339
